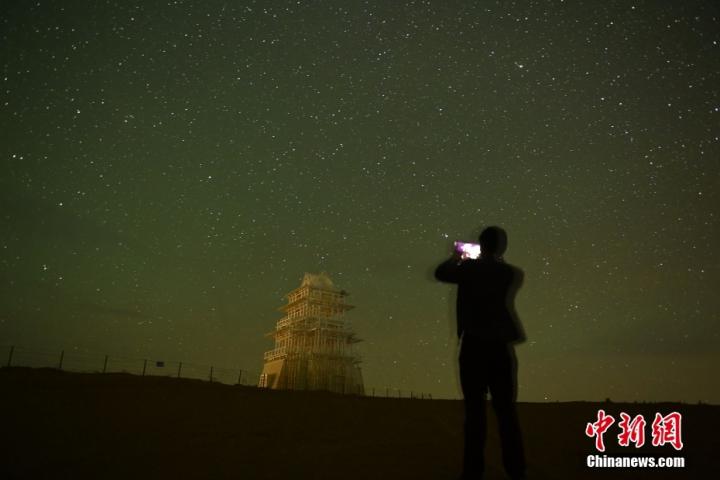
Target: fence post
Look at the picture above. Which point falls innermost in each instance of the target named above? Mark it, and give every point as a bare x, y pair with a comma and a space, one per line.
144, 367
62, 356
12, 350
211, 373
105, 364
179, 369
240, 377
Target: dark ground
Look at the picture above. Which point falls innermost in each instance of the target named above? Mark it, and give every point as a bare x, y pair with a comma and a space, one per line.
58, 425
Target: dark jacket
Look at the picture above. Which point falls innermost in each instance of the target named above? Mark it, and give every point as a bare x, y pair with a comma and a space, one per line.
486, 297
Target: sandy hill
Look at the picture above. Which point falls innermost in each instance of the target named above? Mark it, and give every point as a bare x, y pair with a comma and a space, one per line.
58, 425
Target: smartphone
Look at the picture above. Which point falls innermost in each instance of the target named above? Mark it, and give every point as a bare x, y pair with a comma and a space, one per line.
467, 250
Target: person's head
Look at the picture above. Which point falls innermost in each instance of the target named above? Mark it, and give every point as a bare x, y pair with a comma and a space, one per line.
493, 241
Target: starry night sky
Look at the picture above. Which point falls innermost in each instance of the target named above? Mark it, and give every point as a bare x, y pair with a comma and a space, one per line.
171, 169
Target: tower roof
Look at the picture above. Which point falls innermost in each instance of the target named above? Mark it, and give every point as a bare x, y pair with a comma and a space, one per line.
318, 280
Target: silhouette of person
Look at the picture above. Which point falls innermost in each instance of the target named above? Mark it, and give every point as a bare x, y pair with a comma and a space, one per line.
488, 327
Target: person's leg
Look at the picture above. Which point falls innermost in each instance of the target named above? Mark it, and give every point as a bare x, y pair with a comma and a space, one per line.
503, 389
473, 381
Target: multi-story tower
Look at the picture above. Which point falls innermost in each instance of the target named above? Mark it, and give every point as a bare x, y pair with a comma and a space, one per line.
314, 342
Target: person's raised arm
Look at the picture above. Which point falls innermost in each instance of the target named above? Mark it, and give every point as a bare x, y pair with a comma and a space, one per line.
449, 270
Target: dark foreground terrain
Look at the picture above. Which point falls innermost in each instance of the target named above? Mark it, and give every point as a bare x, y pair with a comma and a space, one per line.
58, 425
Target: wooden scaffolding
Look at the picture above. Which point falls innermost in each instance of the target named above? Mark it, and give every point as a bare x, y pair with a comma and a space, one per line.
314, 342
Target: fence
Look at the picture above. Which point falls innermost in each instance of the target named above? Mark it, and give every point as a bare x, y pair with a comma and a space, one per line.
388, 392
82, 362
97, 363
